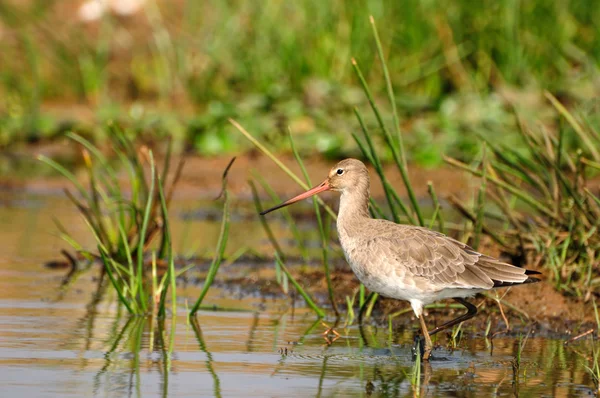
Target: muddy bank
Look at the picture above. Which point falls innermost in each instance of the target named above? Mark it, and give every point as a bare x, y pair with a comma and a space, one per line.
537, 307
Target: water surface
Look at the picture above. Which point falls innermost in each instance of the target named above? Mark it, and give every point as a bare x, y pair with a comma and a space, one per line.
75, 342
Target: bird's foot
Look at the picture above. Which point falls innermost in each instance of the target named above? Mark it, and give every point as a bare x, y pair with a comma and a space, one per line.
330, 335
420, 349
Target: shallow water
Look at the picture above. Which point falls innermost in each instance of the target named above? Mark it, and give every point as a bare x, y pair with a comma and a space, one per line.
72, 342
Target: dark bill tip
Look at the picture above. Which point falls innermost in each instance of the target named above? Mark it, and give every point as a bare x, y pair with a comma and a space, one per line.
324, 186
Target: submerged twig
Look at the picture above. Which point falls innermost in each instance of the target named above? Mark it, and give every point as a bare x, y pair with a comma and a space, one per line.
575, 338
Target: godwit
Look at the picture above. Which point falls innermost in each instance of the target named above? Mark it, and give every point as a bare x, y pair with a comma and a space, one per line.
406, 262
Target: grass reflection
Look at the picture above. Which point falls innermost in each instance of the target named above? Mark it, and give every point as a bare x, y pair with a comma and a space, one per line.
209, 358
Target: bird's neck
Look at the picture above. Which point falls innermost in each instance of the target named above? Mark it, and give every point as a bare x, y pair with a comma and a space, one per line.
354, 205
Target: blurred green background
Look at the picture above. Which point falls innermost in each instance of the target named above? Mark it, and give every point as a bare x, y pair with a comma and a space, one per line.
459, 68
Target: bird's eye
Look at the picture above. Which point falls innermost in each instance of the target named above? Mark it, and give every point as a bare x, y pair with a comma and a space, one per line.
340, 172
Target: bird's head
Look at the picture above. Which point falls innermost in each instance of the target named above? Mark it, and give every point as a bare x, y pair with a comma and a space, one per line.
346, 176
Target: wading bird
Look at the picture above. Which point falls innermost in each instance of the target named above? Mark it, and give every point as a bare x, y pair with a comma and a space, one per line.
406, 262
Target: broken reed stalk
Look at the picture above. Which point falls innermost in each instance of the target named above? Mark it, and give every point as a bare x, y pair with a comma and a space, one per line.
437, 206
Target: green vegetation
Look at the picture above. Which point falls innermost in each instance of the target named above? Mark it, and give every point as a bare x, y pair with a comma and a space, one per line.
221, 243
549, 212
533, 201
130, 339
126, 223
457, 69
120, 222
505, 91
283, 275
547, 202
594, 368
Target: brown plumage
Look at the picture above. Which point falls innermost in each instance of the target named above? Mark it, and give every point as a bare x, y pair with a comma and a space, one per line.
406, 262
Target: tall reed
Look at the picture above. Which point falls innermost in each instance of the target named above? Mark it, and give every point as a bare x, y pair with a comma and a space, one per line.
125, 224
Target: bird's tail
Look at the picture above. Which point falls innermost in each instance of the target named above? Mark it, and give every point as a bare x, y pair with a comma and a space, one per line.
530, 279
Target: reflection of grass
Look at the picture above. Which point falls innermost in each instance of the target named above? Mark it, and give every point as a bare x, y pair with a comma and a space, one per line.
130, 340
594, 368
516, 362
130, 334
209, 358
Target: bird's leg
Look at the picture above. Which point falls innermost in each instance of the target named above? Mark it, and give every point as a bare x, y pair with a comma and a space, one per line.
471, 311
428, 343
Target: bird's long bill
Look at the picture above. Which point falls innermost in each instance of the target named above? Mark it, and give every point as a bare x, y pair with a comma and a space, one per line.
322, 187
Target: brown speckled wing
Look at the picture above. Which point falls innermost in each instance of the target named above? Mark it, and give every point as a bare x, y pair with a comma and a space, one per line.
419, 253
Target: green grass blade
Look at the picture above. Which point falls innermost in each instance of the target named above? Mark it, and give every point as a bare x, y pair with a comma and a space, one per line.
171, 258
437, 206
66, 173
307, 298
576, 126
220, 249
285, 213
390, 92
292, 175
324, 243
106, 260
263, 221
390, 142
376, 162
515, 191
142, 234
480, 202
128, 255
